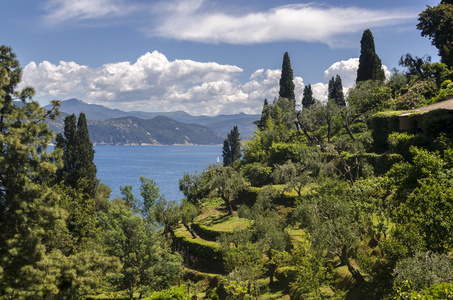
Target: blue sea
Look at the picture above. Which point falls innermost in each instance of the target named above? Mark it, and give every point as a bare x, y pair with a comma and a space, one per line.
123, 165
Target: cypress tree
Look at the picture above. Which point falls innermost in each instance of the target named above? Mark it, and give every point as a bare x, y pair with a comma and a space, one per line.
370, 66
308, 99
265, 113
231, 147
85, 167
68, 143
79, 170
335, 91
286, 80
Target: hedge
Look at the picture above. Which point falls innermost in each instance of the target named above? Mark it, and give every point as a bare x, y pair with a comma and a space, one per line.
199, 254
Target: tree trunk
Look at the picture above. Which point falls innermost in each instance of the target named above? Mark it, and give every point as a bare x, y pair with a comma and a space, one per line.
229, 207
354, 272
190, 230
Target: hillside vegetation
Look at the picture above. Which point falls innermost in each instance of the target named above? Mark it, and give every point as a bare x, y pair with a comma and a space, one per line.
349, 198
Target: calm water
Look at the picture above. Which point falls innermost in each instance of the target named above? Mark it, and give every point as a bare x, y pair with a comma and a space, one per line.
123, 165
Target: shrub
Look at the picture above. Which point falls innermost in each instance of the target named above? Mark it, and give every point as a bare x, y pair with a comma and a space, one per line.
174, 293
437, 122
257, 174
382, 124
423, 270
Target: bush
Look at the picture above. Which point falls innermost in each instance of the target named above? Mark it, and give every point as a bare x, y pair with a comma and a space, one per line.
401, 142
257, 174
423, 270
174, 293
437, 122
382, 124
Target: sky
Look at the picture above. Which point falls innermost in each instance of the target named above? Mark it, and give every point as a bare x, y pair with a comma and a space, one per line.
205, 57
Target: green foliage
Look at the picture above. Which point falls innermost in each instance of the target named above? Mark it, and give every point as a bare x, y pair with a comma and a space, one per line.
417, 96
414, 65
79, 170
28, 206
441, 291
423, 270
332, 222
174, 293
368, 97
227, 184
335, 91
257, 174
370, 66
193, 186
382, 125
231, 147
400, 143
311, 274
286, 81
146, 263
438, 122
307, 99
435, 22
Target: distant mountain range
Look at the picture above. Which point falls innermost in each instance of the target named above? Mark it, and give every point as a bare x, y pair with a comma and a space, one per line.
117, 127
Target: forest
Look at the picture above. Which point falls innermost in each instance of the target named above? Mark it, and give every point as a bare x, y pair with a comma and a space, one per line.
348, 198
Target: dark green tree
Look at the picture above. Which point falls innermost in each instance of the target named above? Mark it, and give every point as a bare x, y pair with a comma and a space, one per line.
265, 113
370, 66
307, 99
436, 22
231, 147
286, 81
335, 91
79, 170
414, 64
85, 167
28, 206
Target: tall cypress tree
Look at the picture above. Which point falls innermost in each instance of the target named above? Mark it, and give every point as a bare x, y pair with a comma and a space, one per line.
370, 66
231, 147
68, 143
286, 80
335, 91
79, 170
85, 167
307, 99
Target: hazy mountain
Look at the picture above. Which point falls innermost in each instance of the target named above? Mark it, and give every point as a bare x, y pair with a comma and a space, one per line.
221, 124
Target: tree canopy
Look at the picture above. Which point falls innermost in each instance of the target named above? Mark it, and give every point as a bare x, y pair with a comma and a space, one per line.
435, 22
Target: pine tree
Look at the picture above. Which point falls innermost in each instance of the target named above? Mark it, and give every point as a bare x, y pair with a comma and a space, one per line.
335, 91
370, 66
286, 80
28, 206
231, 147
308, 99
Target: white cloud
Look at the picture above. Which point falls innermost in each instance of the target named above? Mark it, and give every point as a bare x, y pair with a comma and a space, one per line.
55, 80
153, 83
195, 20
65, 10
347, 69
214, 21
